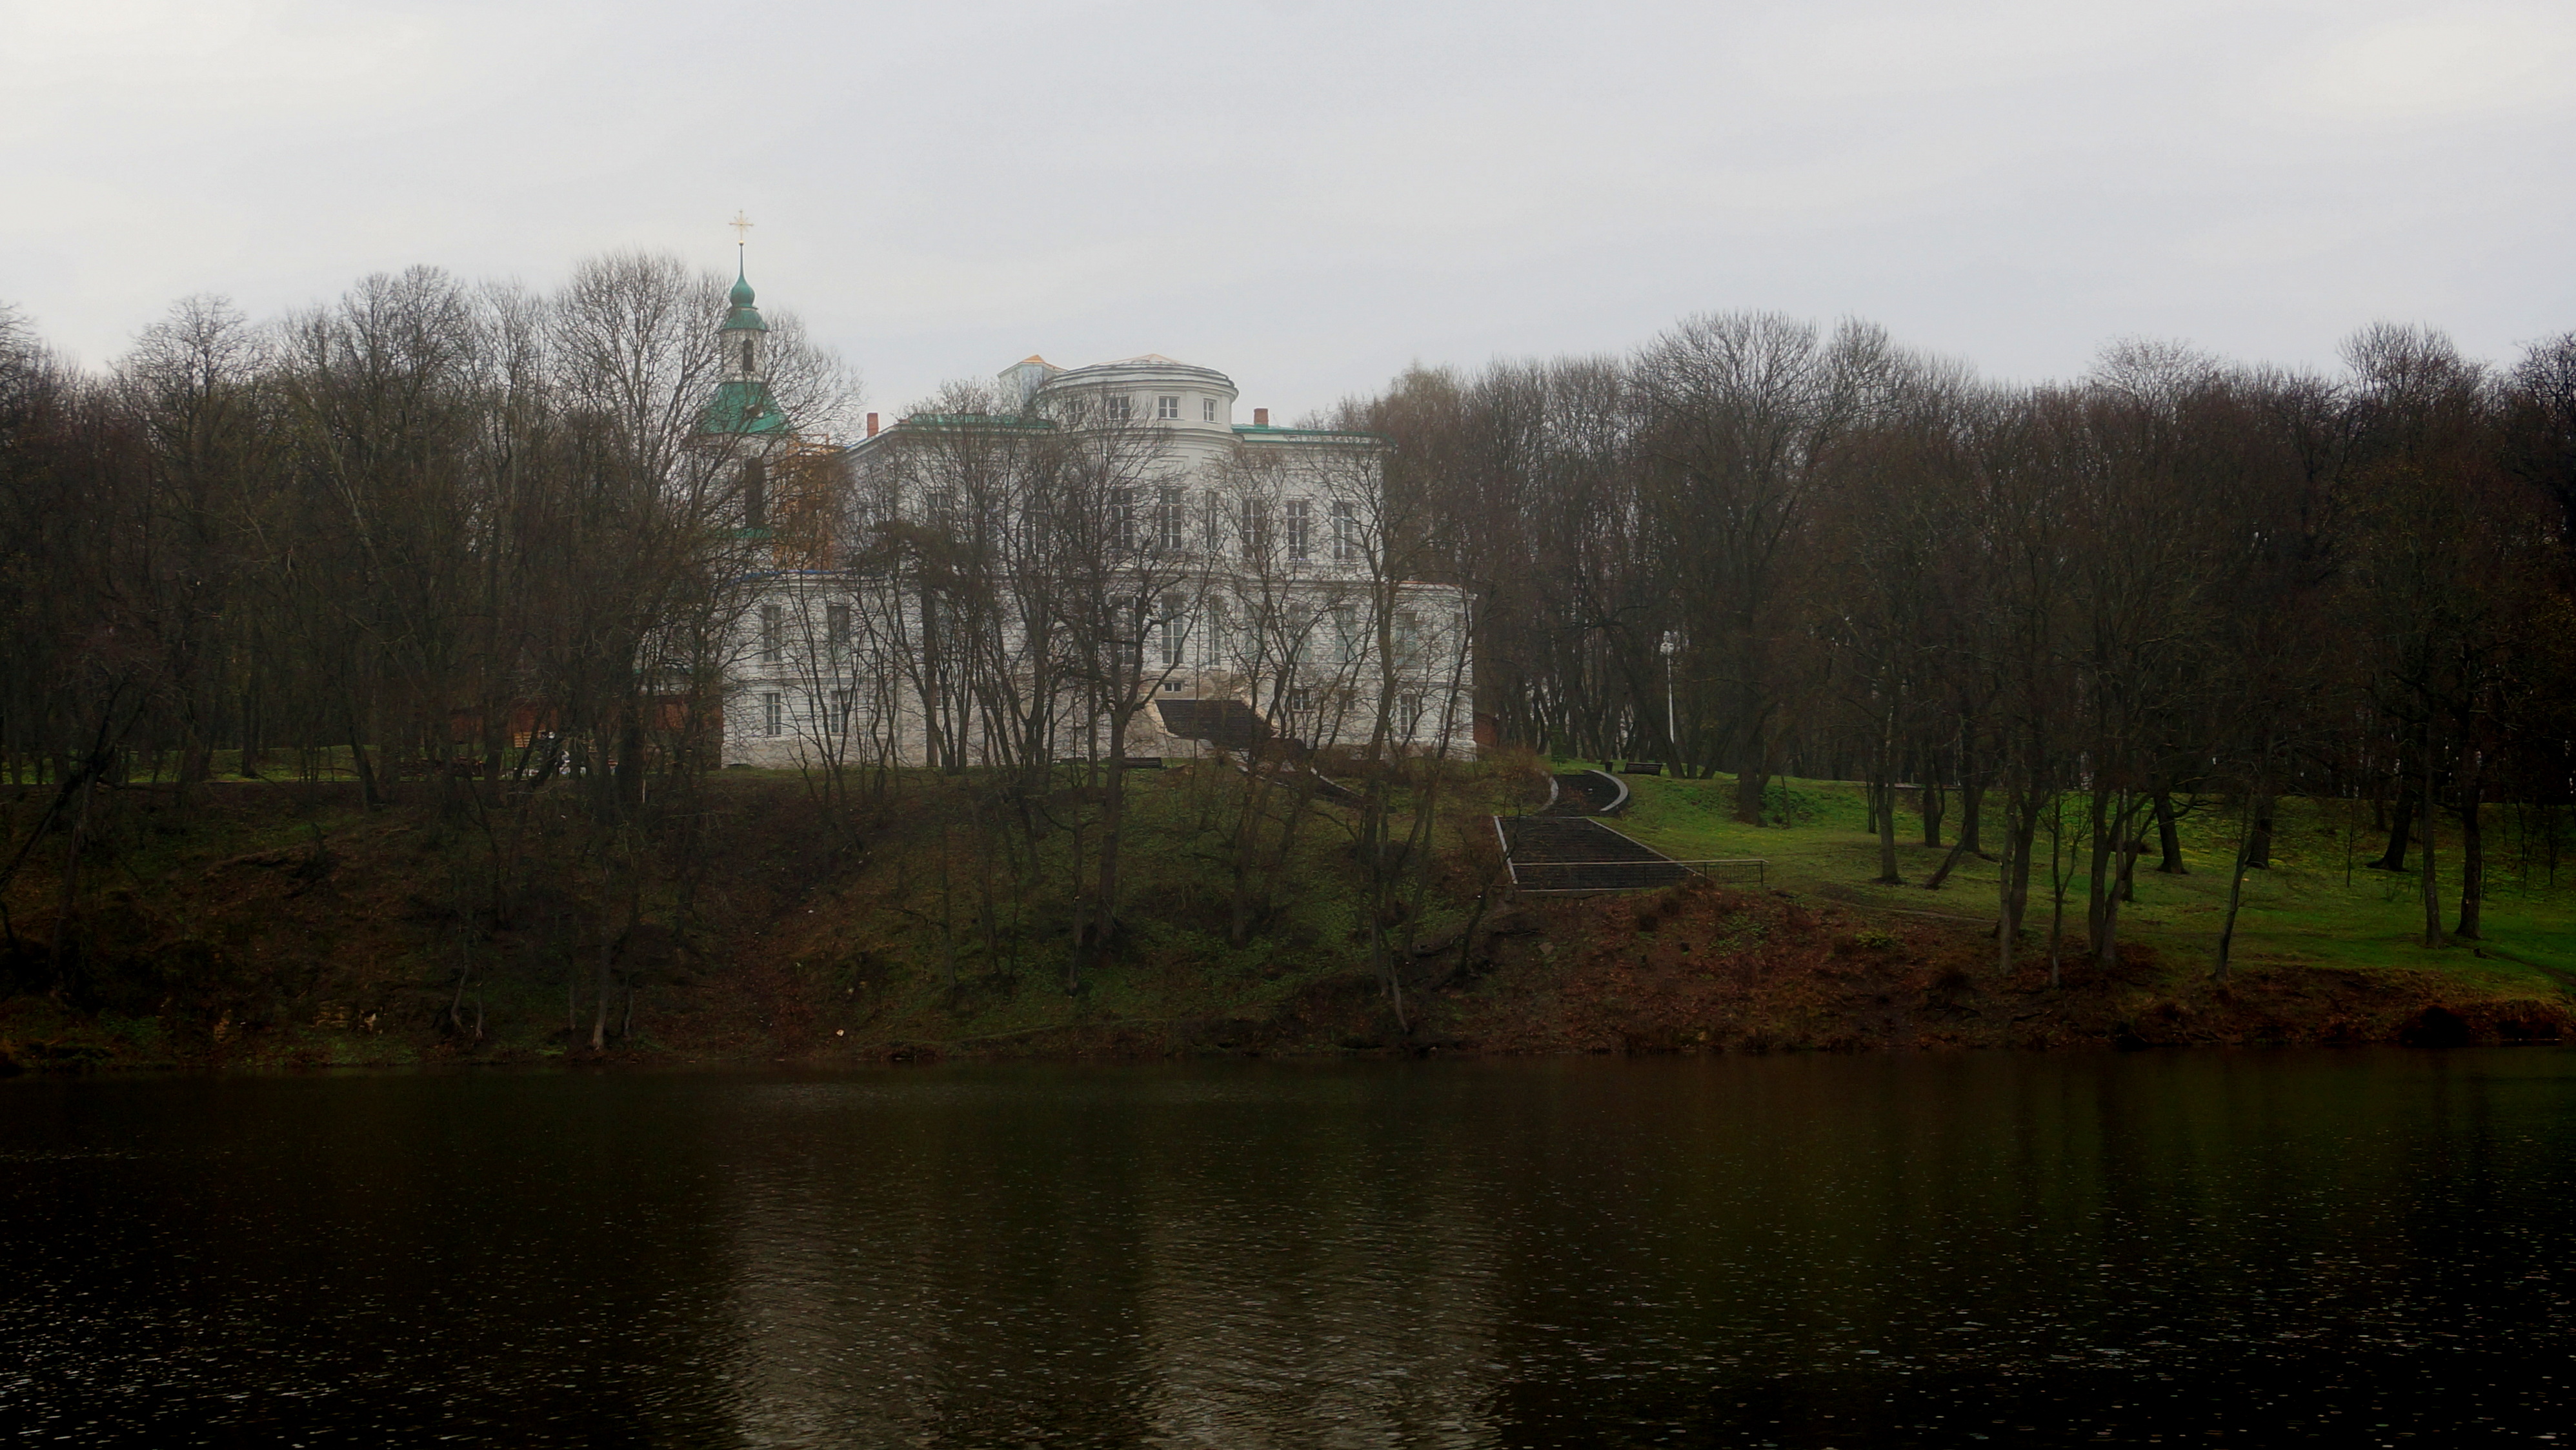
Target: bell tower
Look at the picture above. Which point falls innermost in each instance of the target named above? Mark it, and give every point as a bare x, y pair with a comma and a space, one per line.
744, 333
743, 408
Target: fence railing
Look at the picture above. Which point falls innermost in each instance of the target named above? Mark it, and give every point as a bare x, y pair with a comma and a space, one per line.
1761, 867
1542, 878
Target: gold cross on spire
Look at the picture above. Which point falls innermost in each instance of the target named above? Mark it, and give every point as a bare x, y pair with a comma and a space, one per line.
741, 225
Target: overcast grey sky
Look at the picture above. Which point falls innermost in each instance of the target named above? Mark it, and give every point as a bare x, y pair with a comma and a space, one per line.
1309, 196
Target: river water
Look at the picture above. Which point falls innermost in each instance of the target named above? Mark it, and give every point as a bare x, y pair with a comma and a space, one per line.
2347, 1247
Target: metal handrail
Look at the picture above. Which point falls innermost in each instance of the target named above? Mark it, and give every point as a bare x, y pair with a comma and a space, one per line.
1619, 802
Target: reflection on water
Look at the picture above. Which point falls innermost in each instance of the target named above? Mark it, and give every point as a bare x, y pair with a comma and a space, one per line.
2254, 1248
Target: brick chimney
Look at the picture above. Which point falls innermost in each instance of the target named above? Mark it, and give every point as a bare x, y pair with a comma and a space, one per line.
872, 425
1261, 417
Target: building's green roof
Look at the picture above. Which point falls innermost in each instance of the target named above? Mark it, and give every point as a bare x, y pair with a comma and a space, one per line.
1265, 430
744, 317
743, 405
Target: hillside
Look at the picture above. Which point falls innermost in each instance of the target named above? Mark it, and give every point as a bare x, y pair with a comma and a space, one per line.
269, 924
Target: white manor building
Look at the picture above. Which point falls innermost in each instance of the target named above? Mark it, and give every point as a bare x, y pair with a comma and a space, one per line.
948, 587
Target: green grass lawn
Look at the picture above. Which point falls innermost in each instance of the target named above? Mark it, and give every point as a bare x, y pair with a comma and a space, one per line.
2316, 905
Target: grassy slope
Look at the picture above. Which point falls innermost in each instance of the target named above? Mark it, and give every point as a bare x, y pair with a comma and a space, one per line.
884, 935
2306, 910
861, 933
1826, 958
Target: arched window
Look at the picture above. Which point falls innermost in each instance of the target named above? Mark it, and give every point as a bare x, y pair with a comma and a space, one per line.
746, 354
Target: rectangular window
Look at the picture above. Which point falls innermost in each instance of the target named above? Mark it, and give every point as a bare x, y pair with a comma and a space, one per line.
773, 715
1412, 706
773, 636
1207, 409
755, 492
1122, 519
1171, 519
1300, 699
1408, 640
1252, 528
1114, 407
836, 627
1300, 526
1346, 631
938, 505
1167, 407
839, 724
1346, 532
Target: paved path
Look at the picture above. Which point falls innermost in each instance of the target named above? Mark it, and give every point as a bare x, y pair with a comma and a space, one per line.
1566, 848
1586, 793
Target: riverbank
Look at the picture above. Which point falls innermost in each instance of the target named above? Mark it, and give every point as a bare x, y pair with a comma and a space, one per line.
263, 925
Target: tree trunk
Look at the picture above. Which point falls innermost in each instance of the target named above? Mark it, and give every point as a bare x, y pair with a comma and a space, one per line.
1933, 809
1250, 861
2260, 856
1887, 874
1113, 816
2432, 887
2394, 858
947, 908
2245, 837
2168, 839
2473, 855
2235, 894
1971, 799
2122, 840
196, 760
464, 974
599, 1014
2021, 827
2056, 891
369, 795
2102, 897
630, 756
2005, 922
252, 746
1750, 778
67, 899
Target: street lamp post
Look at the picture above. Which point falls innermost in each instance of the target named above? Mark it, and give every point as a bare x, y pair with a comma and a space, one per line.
1672, 731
